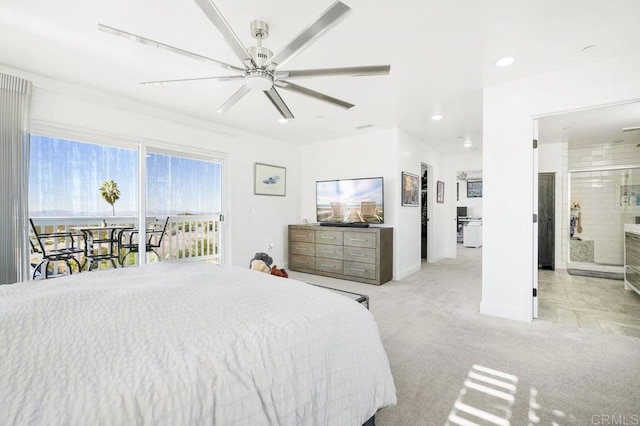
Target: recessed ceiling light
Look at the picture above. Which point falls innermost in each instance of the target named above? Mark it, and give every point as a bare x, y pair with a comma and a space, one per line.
467, 144
436, 117
505, 62
283, 120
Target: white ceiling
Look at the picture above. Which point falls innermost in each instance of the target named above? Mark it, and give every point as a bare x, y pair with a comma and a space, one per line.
441, 53
594, 127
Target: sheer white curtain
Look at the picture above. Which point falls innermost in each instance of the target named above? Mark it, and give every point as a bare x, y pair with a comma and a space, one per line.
15, 106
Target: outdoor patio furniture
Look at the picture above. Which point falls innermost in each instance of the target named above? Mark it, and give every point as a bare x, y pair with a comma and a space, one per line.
53, 247
101, 243
154, 236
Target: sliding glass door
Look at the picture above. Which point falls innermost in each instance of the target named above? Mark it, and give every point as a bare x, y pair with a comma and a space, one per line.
188, 190
81, 195
93, 192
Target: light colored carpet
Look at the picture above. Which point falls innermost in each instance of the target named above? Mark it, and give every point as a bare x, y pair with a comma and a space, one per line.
433, 333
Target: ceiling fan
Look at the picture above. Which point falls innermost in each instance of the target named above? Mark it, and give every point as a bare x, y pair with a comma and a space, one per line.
260, 69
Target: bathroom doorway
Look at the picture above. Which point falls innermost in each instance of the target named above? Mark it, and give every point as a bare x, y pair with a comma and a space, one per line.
595, 155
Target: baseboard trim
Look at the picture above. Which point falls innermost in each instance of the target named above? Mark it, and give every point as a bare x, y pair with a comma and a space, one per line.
409, 271
503, 311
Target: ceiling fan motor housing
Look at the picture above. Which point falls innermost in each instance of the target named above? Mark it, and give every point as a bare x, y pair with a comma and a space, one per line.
260, 55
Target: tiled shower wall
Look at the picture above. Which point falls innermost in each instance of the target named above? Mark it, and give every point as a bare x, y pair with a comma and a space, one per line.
600, 196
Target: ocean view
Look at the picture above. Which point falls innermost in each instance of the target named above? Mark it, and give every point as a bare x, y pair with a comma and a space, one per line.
65, 179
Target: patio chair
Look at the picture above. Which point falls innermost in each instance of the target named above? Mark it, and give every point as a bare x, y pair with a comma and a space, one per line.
129, 240
53, 247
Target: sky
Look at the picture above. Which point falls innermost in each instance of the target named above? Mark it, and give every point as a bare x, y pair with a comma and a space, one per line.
65, 179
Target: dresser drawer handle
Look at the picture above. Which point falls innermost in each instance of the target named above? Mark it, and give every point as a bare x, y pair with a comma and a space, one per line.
327, 266
328, 238
327, 251
302, 248
358, 239
358, 270
305, 262
358, 255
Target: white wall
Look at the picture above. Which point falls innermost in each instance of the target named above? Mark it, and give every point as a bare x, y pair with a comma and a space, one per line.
509, 110
385, 153
552, 160
412, 152
252, 221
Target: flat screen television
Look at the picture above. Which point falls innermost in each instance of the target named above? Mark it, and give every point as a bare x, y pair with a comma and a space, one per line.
350, 201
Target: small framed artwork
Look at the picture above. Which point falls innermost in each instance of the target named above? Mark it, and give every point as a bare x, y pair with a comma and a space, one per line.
474, 189
269, 180
440, 192
410, 189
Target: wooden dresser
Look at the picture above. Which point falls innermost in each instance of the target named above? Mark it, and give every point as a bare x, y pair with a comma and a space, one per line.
356, 254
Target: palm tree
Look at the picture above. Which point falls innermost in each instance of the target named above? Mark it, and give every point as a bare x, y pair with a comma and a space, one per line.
110, 192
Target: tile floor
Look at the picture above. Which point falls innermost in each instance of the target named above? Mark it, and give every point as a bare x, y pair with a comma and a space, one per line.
595, 303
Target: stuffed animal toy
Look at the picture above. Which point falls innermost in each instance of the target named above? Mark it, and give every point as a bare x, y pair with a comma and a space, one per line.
260, 266
264, 257
279, 272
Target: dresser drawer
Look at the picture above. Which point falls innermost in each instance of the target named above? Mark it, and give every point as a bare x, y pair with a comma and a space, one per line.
303, 235
360, 239
329, 265
305, 262
329, 237
329, 251
304, 249
358, 254
362, 270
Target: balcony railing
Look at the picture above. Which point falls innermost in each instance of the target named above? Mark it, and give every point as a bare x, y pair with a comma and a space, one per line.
187, 237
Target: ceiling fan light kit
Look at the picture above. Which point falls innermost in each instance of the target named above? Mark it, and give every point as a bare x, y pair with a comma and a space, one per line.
260, 66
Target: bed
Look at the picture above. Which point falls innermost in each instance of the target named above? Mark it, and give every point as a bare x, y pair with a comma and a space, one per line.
185, 344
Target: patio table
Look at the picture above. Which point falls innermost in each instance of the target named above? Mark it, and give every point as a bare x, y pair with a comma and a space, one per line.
95, 238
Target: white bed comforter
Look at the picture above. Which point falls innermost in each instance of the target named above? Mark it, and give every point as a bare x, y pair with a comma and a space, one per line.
187, 343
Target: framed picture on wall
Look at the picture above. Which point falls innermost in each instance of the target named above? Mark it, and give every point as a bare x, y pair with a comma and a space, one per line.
269, 180
410, 189
474, 189
440, 192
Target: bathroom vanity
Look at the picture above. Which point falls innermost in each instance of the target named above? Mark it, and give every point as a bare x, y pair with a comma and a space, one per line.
632, 257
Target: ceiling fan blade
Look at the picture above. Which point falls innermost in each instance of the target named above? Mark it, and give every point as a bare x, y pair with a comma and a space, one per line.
180, 80
327, 72
312, 93
325, 21
277, 102
233, 99
157, 44
216, 18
